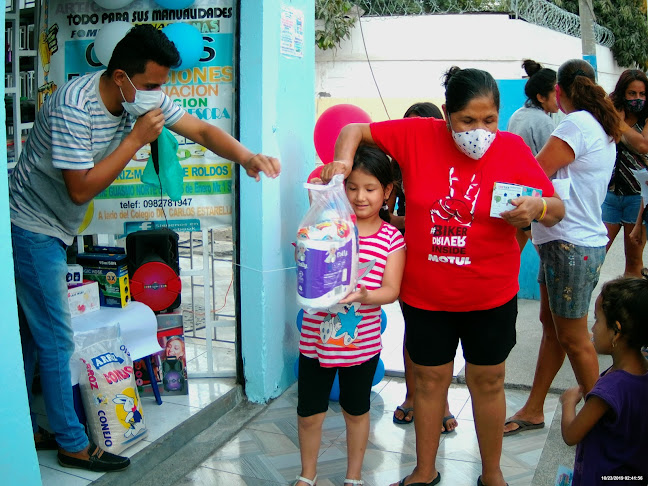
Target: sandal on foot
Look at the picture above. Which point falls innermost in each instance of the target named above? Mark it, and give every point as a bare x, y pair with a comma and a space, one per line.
405, 411
445, 427
479, 482
310, 482
436, 480
359, 482
46, 440
523, 426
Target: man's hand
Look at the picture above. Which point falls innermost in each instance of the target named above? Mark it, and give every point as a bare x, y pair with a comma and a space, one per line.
148, 127
262, 163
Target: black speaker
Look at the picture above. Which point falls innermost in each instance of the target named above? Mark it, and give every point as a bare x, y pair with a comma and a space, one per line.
154, 268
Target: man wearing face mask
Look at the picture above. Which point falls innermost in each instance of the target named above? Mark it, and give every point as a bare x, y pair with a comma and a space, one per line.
83, 137
461, 270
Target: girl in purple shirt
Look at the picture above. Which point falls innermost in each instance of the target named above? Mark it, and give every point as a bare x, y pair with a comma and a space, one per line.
611, 429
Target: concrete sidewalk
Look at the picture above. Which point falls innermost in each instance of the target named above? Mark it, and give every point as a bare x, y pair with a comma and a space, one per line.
184, 448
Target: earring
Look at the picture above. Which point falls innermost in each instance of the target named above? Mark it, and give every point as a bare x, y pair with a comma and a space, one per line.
613, 344
384, 206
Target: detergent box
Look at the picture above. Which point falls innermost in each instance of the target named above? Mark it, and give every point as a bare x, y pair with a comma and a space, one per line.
108, 267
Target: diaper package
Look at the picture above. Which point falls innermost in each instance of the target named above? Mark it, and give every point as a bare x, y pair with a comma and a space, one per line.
327, 248
108, 390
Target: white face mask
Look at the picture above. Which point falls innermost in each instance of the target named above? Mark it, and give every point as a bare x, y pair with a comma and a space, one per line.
144, 102
473, 143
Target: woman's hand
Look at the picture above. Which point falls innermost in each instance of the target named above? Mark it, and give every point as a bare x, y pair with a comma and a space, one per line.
636, 234
357, 296
335, 167
527, 208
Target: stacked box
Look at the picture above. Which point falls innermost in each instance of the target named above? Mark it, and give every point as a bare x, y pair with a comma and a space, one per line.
109, 269
169, 365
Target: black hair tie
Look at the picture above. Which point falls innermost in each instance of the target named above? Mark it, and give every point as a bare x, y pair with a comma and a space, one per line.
578, 72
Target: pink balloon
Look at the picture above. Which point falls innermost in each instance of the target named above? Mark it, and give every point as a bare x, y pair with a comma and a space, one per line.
329, 124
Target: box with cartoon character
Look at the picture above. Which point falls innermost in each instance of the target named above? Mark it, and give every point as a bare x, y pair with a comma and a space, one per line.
169, 365
108, 391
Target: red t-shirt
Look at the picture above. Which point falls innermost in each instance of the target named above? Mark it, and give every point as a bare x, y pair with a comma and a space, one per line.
459, 258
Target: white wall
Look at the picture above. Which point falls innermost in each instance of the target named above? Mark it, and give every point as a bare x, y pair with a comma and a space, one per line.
410, 54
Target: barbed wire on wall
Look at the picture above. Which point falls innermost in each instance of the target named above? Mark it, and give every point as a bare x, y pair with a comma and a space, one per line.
538, 12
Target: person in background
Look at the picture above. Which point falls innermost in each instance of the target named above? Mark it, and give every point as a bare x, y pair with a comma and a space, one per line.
611, 429
579, 156
461, 271
404, 413
623, 199
353, 356
83, 137
533, 121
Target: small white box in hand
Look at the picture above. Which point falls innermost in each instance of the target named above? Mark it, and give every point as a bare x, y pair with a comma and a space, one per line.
504, 193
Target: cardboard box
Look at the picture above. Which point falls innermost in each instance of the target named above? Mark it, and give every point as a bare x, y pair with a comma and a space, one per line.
110, 270
83, 298
170, 365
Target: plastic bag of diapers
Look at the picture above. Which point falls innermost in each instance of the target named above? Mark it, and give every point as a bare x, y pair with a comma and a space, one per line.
326, 248
108, 390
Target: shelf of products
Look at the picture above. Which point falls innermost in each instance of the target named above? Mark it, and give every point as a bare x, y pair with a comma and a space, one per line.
21, 72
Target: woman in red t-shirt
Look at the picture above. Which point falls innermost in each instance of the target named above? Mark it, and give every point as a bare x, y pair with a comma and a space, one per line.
462, 265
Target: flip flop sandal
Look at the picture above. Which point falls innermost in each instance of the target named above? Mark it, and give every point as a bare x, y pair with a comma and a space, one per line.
523, 426
359, 482
405, 411
436, 480
479, 482
310, 482
445, 421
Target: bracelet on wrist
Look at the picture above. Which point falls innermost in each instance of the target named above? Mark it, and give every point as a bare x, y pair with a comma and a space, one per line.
544, 211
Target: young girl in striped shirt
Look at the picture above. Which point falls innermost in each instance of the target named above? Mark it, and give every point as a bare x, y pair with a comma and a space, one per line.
346, 339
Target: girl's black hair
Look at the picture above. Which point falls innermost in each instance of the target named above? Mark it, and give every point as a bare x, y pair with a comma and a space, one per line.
463, 85
424, 109
577, 80
542, 81
625, 300
143, 43
618, 95
376, 163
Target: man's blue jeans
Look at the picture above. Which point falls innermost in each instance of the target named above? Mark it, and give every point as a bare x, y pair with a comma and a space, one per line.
40, 265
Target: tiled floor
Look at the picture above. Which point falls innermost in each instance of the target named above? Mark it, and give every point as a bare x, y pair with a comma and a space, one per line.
266, 452
159, 418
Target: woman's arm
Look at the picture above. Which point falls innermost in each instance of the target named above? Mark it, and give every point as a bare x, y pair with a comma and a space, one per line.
633, 139
351, 136
555, 155
574, 426
391, 282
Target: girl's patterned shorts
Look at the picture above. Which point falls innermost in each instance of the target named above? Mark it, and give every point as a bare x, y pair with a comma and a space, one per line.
570, 273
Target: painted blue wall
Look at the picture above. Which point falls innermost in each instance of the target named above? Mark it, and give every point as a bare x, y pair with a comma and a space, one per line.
512, 97
277, 116
18, 461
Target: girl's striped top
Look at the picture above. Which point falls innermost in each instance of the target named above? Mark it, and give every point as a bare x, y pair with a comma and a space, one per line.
349, 335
